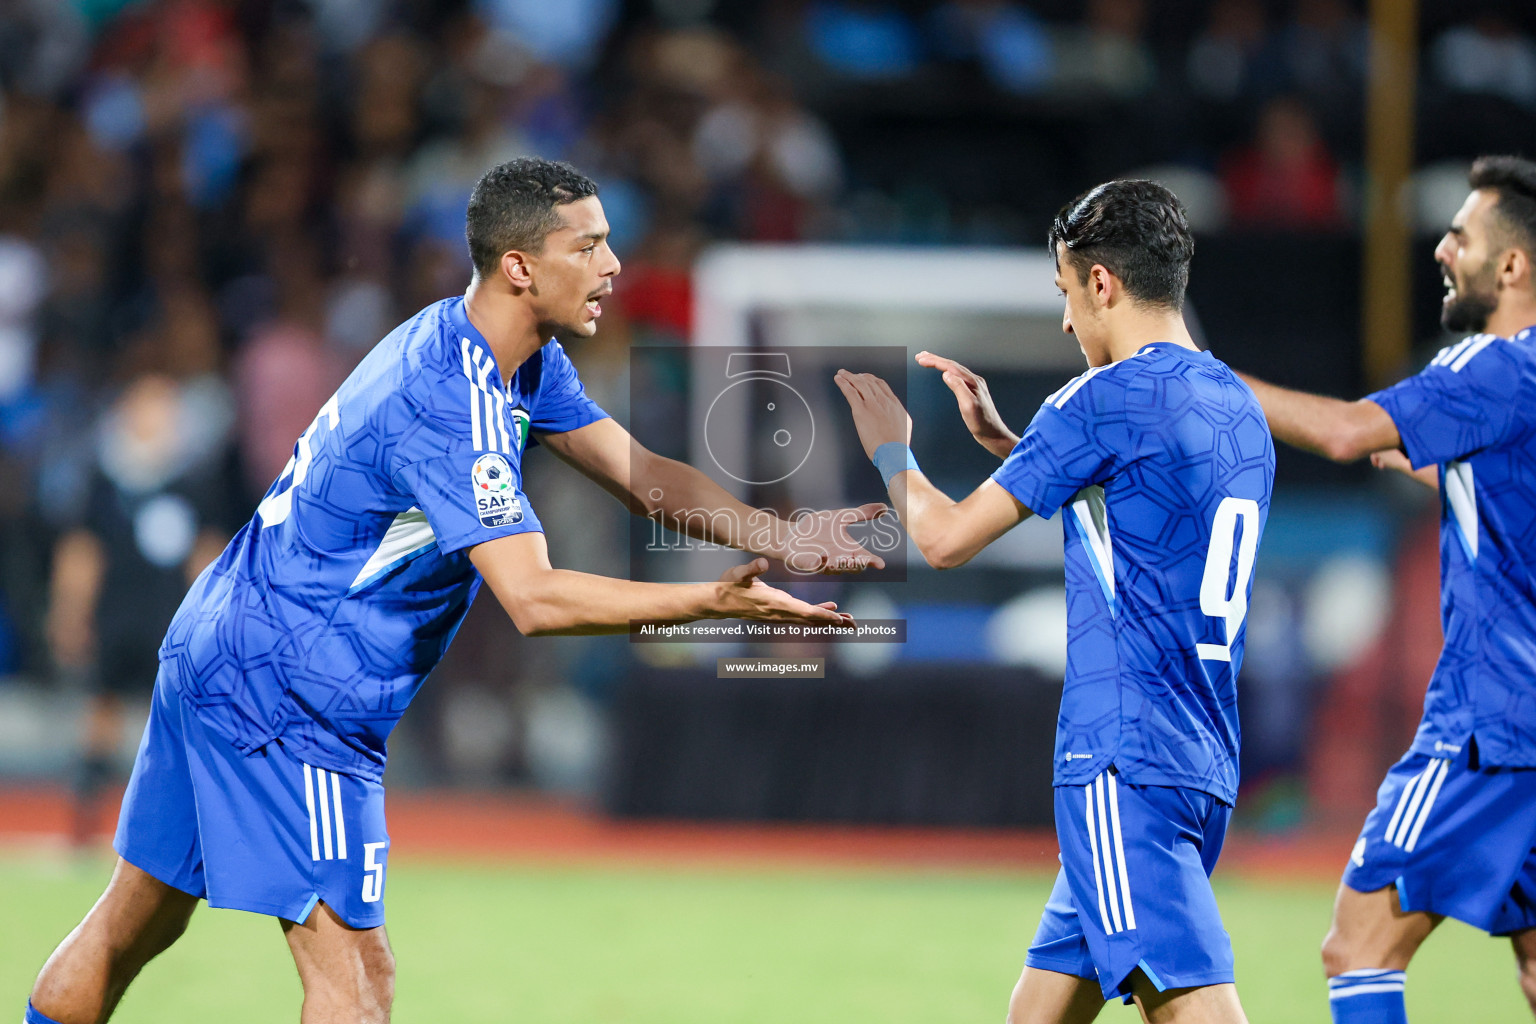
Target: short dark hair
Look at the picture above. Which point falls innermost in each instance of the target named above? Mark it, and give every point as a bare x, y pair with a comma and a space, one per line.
513, 207
1513, 180
1137, 230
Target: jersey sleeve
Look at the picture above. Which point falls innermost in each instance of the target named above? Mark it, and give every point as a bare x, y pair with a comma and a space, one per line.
1065, 447
1465, 400
561, 403
457, 462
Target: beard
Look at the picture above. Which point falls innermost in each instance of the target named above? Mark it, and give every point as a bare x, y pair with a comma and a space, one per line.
1474, 303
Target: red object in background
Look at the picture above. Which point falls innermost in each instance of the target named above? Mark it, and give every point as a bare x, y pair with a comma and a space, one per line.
1262, 193
657, 296
1286, 178
1369, 711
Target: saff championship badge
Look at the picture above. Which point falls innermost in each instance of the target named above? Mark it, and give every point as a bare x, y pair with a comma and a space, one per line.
495, 494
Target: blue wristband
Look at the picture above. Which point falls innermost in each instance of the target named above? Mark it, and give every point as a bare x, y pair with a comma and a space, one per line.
891, 458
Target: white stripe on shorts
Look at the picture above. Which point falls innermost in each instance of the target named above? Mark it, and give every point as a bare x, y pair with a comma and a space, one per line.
309, 801
1429, 802
341, 826
1107, 856
1408, 802
1106, 843
1125, 883
1093, 848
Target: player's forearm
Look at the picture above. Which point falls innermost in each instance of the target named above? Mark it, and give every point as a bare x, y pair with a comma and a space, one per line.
560, 602
1330, 427
688, 501
932, 519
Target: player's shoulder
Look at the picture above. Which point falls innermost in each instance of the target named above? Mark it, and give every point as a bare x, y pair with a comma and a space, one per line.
1489, 349
1113, 380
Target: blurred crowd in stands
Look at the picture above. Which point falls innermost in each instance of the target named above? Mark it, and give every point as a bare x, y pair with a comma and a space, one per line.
210, 209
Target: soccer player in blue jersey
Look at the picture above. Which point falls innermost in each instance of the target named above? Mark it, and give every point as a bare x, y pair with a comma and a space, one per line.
258, 782
1162, 466
1454, 827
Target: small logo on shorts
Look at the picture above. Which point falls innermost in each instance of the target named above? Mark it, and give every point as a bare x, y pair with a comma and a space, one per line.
496, 498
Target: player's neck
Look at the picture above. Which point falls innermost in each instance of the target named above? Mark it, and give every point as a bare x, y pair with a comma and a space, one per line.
508, 325
1512, 316
1133, 330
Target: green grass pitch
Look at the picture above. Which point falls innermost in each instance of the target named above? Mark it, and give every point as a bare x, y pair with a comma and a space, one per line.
655, 945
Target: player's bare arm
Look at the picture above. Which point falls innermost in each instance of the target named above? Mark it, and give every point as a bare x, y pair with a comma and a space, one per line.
947, 532
689, 501
1330, 427
976, 406
545, 601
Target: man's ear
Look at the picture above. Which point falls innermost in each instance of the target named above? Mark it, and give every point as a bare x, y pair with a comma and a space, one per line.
1515, 268
1101, 284
516, 269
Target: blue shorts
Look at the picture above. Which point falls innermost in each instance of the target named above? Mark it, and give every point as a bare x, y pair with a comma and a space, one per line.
1134, 889
262, 832
1455, 838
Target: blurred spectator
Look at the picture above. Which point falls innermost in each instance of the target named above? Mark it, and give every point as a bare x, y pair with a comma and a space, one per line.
1286, 178
1221, 60
1013, 47
569, 33
1487, 57
153, 515
1321, 56
1106, 55
866, 40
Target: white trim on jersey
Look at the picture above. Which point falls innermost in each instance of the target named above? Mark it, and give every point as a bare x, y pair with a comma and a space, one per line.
1074, 385
1092, 516
487, 420
474, 403
1456, 357
1107, 846
1450, 352
1461, 495
1472, 350
408, 536
320, 833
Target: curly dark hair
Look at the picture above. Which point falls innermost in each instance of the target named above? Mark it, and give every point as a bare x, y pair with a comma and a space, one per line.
1137, 230
513, 207
1513, 180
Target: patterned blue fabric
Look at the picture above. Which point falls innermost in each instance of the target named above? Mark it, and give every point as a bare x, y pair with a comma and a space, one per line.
1163, 466
321, 619
1472, 410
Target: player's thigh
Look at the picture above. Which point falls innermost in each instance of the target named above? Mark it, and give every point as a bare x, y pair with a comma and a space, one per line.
1050, 997
344, 964
1372, 930
1208, 1004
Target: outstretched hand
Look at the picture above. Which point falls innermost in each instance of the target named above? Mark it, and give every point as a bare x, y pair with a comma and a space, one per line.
877, 412
743, 595
819, 542
975, 401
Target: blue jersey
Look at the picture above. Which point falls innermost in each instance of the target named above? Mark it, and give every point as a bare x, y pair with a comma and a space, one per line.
1164, 464
320, 620
1472, 410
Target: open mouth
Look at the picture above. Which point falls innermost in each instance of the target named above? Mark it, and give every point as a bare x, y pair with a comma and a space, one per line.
594, 304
